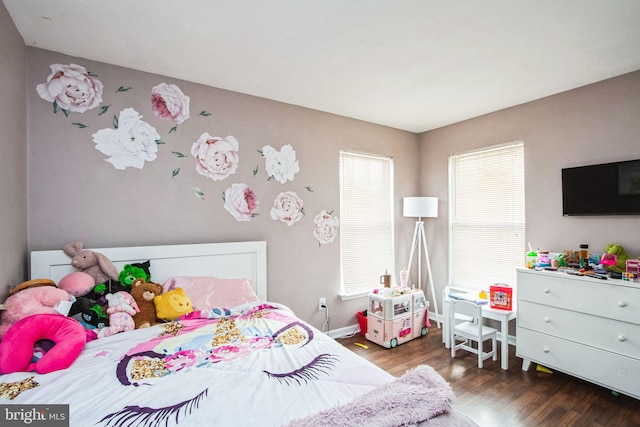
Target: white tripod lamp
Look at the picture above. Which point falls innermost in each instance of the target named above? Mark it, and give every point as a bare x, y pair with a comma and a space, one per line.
421, 207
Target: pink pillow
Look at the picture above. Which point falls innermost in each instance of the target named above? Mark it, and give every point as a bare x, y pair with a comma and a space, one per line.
208, 292
16, 348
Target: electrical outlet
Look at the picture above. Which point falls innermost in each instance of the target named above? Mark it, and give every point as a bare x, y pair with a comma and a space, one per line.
322, 304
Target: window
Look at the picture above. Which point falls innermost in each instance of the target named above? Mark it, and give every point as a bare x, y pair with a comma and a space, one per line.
486, 216
366, 221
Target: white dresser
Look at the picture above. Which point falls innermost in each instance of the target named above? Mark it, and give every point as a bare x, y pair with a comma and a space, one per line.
585, 327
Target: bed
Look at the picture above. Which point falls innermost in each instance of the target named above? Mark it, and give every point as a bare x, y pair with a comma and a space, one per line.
255, 363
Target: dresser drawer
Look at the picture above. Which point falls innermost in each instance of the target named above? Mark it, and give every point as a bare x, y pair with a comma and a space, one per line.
610, 370
607, 334
593, 296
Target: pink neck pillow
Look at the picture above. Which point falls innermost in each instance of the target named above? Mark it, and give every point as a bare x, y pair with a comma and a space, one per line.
16, 348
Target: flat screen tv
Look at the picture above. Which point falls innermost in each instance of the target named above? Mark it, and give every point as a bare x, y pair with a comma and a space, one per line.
604, 189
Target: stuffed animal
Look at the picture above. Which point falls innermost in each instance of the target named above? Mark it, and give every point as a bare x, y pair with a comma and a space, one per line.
79, 285
39, 296
93, 263
172, 304
144, 293
122, 308
131, 272
621, 258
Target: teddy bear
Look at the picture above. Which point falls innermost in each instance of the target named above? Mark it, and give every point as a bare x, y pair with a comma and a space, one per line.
38, 296
172, 304
122, 308
621, 258
93, 263
144, 292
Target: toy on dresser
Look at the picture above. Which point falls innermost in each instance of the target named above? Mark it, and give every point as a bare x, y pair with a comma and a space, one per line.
396, 315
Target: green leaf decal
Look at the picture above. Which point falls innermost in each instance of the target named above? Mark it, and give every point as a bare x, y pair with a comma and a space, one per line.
115, 122
309, 189
255, 171
198, 192
92, 74
123, 89
159, 142
55, 107
79, 125
178, 154
224, 198
103, 109
173, 129
205, 113
175, 172
66, 112
261, 153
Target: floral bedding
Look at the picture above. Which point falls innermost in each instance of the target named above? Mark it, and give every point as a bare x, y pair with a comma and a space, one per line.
257, 364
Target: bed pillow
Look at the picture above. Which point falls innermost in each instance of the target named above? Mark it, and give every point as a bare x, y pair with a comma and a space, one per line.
207, 292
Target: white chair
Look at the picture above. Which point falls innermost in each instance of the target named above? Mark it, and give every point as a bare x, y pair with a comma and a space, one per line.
472, 330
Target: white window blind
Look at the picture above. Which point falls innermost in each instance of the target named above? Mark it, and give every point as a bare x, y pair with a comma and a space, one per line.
487, 220
366, 220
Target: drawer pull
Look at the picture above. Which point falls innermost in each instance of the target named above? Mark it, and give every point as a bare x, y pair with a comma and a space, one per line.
622, 338
547, 319
547, 290
546, 349
622, 303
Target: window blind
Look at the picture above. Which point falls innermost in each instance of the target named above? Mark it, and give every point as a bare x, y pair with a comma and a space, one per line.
487, 219
366, 220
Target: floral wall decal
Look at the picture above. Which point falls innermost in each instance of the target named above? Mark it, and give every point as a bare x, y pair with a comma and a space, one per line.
326, 227
130, 143
216, 157
280, 165
71, 88
241, 202
169, 102
287, 207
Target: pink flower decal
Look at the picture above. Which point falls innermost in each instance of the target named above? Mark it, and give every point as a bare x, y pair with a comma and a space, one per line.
216, 158
326, 228
168, 102
287, 207
241, 202
71, 88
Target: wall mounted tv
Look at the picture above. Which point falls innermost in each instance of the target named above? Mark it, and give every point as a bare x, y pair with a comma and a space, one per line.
604, 189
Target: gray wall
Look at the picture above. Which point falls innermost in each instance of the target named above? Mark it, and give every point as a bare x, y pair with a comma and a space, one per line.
74, 194
598, 123
13, 161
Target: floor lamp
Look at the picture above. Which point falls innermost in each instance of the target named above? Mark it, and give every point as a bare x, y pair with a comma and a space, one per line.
421, 207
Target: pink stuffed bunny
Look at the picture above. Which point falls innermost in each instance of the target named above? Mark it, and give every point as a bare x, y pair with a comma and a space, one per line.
122, 308
93, 263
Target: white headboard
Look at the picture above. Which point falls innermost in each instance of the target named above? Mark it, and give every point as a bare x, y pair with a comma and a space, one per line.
233, 260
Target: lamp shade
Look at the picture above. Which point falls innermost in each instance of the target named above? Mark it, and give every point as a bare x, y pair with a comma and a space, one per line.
425, 207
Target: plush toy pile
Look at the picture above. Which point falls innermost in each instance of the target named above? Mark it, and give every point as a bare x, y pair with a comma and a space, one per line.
95, 301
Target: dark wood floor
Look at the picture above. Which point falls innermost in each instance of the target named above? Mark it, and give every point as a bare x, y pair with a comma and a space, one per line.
495, 397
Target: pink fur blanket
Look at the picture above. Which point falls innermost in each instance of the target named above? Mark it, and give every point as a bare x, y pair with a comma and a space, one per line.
417, 397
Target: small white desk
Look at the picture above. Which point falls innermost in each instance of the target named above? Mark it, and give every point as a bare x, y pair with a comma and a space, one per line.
502, 316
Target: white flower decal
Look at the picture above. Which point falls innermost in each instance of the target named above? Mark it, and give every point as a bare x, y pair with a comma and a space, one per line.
71, 88
131, 143
280, 165
326, 228
168, 102
287, 207
216, 158
241, 202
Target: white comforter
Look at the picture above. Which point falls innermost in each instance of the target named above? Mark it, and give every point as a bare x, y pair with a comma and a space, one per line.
256, 365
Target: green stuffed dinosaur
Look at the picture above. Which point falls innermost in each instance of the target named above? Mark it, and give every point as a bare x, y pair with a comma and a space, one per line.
621, 258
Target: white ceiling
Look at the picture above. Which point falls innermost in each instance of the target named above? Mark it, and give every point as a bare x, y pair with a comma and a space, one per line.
409, 64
